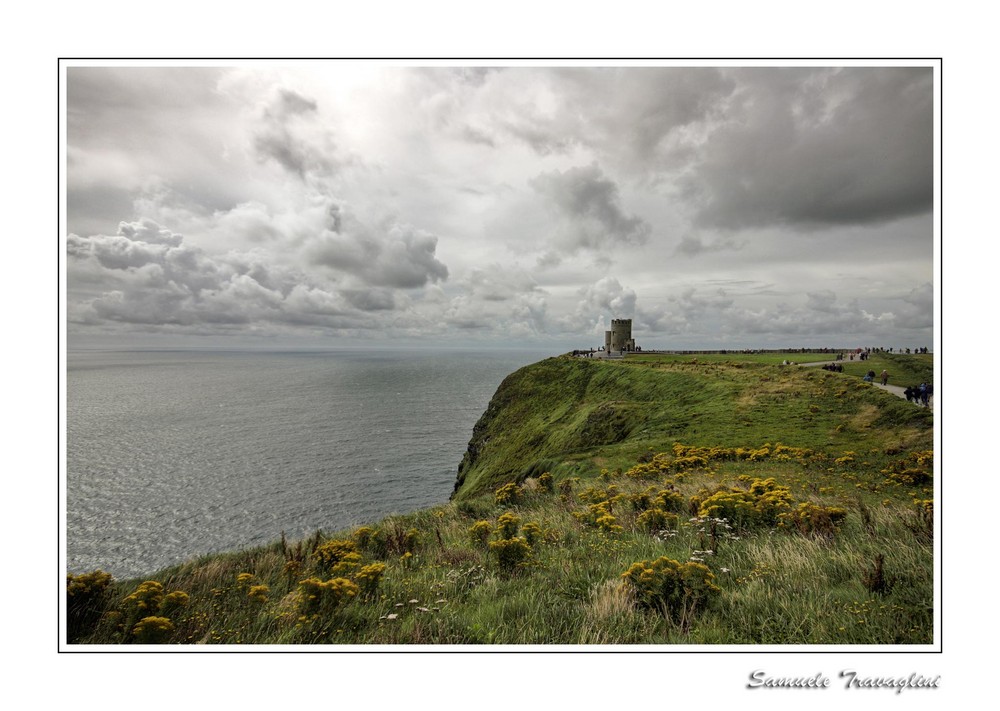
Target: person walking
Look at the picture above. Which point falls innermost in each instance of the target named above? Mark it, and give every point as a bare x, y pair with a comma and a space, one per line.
885, 377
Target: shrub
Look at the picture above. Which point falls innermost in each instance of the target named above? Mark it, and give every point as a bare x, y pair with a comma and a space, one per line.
508, 525
152, 630
545, 483
258, 593
608, 523
652, 468
655, 519
480, 532
599, 516
337, 557
685, 463
761, 504
173, 601
810, 519
914, 470
145, 598
669, 500
511, 553
318, 596
369, 577
86, 596
532, 533
910, 477
679, 591
642, 500
509, 494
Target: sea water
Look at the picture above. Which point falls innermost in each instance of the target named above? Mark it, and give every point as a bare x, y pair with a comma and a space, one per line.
174, 454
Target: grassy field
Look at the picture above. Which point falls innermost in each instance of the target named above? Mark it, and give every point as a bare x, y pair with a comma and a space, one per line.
644, 501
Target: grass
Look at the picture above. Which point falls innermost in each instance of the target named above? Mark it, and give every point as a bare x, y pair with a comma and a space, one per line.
597, 427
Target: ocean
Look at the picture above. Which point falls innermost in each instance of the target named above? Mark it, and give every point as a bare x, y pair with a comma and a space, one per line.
175, 454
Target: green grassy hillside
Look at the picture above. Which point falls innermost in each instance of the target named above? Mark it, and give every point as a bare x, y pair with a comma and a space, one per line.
576, 416
644, 501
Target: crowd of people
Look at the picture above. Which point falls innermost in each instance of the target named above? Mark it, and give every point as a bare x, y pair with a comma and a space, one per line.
920, 394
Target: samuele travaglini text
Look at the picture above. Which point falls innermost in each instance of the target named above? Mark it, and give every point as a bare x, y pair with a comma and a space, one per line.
848, 679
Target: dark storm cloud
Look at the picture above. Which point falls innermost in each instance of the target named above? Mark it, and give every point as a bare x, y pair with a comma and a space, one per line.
590, 206
818, 147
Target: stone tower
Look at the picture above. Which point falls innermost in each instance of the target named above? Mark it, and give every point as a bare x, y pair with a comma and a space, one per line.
619, 338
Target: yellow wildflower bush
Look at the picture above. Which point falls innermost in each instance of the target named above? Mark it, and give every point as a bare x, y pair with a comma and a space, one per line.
480, 532
86, 597
691, 462
145, 598
545, 483
509, 494
669, 500
511, 553
760, 504
656, 519
813, 520
87, 585
316, 596
652, 469
915, 470
173, 601
337, 557
508, 525
368, 578
608, 523
152, 630
258, 593
597, 494
677, 590
532, 533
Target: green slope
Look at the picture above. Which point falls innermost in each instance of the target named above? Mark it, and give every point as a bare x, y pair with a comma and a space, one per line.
575, 416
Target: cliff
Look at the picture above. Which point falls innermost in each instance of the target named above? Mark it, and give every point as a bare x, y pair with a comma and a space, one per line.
574, 416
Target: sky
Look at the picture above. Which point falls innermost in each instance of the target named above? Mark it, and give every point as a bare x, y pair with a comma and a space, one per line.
340, 203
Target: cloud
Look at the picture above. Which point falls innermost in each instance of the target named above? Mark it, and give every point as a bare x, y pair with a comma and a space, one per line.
290, 135
917, 309
816, 148
163, 282
588, 205
400, 256
692, 246
596, 304
631, 119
